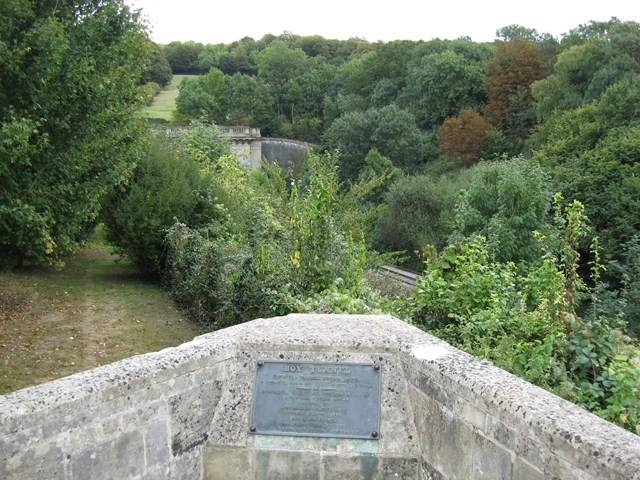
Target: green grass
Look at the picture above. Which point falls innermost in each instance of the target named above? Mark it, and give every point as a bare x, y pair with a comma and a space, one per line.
164, 104
97, 310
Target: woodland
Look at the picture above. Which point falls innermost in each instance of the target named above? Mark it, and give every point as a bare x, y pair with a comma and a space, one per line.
506, 173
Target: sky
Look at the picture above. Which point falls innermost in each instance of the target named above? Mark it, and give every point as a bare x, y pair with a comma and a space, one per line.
215, 21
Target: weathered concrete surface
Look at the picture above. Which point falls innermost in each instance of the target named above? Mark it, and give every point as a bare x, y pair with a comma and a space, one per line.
184, 413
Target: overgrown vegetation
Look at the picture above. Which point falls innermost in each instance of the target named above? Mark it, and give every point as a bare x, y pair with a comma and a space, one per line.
457, 154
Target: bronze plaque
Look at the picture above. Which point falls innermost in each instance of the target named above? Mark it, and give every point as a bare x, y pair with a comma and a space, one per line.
316, 399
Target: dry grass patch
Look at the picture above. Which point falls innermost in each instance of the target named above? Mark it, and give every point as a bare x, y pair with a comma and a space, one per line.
95, 311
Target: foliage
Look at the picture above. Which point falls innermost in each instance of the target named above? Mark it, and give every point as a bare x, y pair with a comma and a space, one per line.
514, 67
442, 85
159, 70
490, 310
419, 211
631, 282
273, 246
278, 66
506, 202
523, 318
204, 97
594, 58
463, 137
69, 129
250, 102
149, 92
592, 153
167, 185
182, 57
390, 130
202, 142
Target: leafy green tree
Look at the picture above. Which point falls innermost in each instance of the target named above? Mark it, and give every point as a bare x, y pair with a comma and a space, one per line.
204, 96
278, 67
183, 57
390, 129
240, 57
250, 102
210, 56
477, 54
505, 203
159, 71
594, 57
69, 128
441, 86
592, 154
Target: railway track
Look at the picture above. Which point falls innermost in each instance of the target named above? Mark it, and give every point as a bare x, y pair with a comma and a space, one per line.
405, 277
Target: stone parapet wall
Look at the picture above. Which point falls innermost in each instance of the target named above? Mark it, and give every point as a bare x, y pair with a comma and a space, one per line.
184, 413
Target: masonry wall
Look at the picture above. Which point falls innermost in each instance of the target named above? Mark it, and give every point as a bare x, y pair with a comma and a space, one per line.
183, 413
289, 154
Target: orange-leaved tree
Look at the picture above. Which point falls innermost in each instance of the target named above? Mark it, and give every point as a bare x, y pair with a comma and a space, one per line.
515, 65
463, 137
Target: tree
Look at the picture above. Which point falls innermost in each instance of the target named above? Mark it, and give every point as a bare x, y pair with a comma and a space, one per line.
594, 57
477, 54
506, 202
69, 127
278, 65
593, 152
390, 129
419, 212
240, 57
159, 71
442, 85
463, 137
514, 67
183, 57
250, 102
204, 96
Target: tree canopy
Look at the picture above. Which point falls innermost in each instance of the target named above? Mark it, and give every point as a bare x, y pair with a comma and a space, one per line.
69, 129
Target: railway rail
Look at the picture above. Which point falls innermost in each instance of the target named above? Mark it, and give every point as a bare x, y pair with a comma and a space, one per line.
405, 277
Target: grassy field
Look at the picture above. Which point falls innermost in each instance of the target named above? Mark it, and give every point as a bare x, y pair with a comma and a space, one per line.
164, 104
95, 311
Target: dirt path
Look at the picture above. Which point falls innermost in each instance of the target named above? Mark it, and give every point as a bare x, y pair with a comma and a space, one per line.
95, 311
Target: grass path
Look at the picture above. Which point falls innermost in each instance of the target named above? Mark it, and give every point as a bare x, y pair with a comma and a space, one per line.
164, 104
95, 311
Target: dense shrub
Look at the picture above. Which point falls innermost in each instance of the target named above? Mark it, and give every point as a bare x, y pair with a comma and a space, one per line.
274, 247
419, 212
167, 185
506, 202
524, 318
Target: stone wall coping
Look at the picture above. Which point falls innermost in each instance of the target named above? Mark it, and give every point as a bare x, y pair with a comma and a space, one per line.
574, 433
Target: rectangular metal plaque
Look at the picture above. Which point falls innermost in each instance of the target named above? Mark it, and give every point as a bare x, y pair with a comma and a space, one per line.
313, 399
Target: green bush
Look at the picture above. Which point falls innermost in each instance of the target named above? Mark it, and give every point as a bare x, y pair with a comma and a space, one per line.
167, 186
524, 318
506, 202
274, 250
419, 212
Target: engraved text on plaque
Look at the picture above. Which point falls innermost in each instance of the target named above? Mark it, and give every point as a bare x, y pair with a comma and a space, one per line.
316, 399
